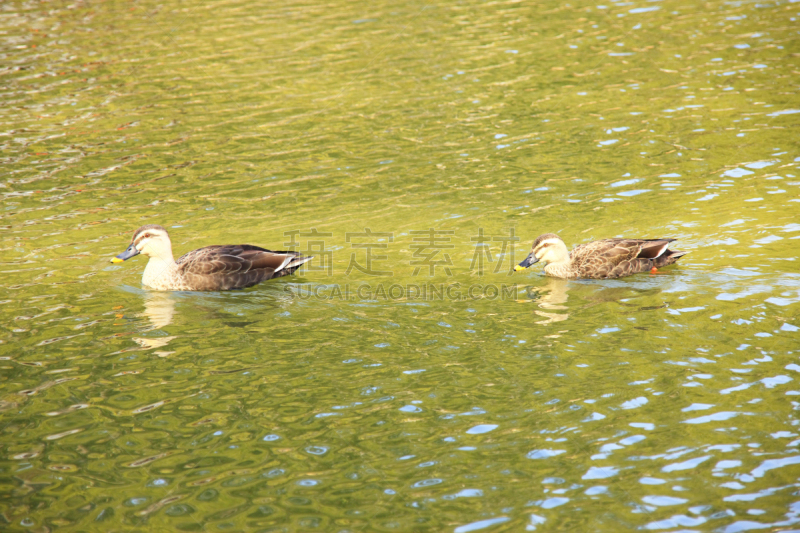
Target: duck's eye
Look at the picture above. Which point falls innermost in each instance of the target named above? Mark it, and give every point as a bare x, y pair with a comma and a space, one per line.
146, 235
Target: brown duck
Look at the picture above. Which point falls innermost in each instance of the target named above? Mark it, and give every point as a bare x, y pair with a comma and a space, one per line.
213, 268
605, 259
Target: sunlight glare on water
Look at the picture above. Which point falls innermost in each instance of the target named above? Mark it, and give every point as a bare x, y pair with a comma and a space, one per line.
406, 379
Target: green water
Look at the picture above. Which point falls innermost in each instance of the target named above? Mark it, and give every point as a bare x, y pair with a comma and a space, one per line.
385, 139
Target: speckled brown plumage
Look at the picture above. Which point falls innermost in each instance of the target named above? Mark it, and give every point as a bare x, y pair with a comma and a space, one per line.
232, 266
614, 258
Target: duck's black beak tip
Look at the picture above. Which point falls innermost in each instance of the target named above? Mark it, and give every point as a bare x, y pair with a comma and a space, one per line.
127, 254
528, 261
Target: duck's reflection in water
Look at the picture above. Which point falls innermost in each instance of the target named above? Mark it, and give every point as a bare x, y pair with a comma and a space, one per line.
159, 310
551, 298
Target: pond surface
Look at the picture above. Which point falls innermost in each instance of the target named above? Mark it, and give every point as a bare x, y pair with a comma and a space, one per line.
405, 380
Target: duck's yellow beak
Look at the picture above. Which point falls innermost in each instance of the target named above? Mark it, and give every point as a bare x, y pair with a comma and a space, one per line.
116, 260
517, 268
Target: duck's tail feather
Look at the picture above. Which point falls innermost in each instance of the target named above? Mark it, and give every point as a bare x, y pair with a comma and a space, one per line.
296, 262
652, 248
299, 260
669, 257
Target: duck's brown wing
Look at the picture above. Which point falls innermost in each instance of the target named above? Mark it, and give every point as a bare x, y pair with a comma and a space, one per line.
614, 258
235, 266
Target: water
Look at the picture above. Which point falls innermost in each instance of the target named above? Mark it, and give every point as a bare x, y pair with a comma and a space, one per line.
360, 396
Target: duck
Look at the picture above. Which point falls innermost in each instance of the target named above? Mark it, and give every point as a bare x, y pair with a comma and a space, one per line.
213, 268
603, 259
